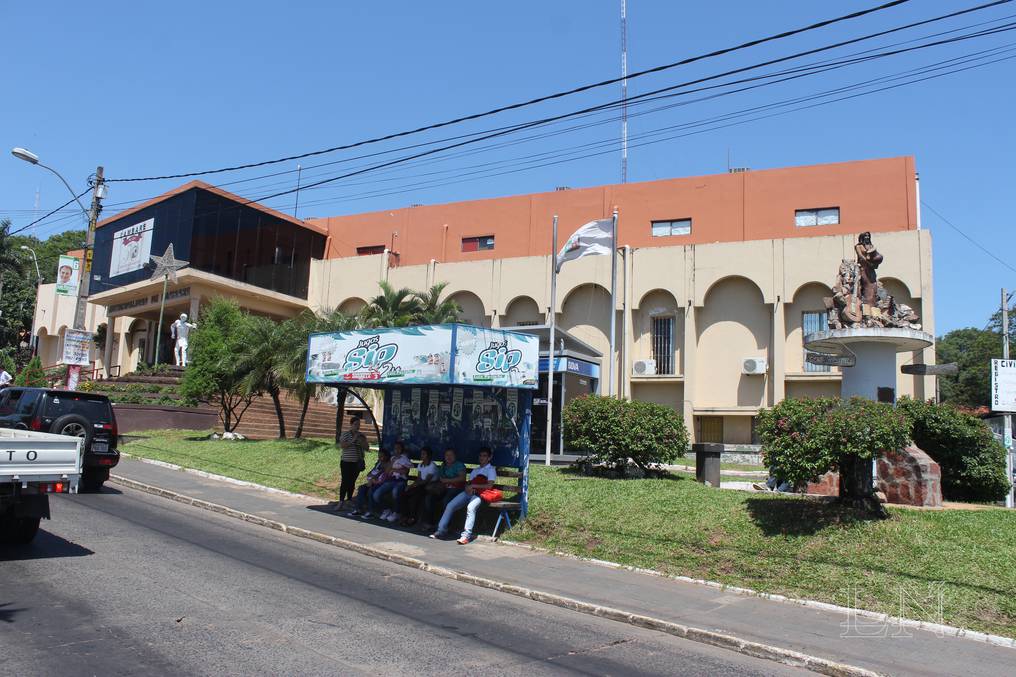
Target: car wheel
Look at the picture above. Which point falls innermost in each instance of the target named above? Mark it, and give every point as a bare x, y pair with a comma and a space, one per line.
19, 530
73, 425
91, 482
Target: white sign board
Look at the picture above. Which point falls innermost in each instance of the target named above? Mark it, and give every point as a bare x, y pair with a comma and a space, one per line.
132, 248
77, 347
1003, 385
68, 274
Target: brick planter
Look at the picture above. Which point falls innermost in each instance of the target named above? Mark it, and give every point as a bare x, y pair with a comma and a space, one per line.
910, 477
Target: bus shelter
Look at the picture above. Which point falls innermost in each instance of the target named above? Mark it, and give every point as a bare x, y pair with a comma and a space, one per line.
444, 385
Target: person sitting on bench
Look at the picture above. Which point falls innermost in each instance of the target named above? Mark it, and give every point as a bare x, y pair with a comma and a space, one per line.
394, 486
377, 476
412, 497
480, 478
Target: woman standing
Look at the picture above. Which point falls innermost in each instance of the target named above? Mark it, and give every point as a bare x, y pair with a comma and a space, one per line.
354, 446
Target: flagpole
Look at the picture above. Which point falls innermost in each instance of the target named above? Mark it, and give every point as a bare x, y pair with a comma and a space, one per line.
552, 316
611, 385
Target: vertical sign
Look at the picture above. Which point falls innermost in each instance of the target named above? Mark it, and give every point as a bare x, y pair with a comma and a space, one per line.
1003, 385
68, 275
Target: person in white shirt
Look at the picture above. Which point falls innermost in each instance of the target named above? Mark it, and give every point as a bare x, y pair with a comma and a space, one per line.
409, 502
396, 484
5, 378
480, 478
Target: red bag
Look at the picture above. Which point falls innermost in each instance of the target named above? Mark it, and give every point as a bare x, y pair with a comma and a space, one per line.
490, 495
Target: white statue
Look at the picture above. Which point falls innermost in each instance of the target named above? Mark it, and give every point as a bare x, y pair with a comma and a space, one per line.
180, 331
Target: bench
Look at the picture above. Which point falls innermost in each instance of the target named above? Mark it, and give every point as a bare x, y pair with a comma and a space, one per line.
509, 482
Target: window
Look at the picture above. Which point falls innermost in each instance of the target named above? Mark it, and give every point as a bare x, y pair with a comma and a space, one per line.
475, 244
370, 250
668, 228
663, 344
527, 323
825, 216
812, 321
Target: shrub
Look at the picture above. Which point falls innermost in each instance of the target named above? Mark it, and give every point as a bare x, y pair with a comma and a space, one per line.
803, 439
972, 460
32, 376
612, 431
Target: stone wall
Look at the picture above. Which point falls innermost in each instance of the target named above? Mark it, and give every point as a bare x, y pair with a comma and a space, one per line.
910, 477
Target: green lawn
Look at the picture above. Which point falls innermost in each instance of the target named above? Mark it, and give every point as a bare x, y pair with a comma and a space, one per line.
773, 543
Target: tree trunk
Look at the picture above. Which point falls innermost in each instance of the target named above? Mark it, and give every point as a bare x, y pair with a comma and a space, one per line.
856, 485
303, 415
274, 392
340, 411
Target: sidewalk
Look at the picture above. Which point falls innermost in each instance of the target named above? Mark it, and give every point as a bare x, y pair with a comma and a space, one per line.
811, 631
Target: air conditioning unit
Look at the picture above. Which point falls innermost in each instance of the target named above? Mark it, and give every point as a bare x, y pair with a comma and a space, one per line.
644, 368
754, 365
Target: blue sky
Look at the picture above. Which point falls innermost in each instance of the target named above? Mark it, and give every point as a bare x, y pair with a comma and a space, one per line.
155, 88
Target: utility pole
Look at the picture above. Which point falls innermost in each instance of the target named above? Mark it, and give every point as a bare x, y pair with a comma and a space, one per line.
98, 192
1007, 417
624, 91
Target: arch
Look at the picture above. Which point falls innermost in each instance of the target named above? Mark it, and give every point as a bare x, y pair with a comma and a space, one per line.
472, 308
522, 309
351, 305
734, 323
659, 295
734, 278
827, 290
808, 298
42, 332
898, 288
585, 314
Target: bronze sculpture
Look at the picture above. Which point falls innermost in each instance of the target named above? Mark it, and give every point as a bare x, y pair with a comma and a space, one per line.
860, 300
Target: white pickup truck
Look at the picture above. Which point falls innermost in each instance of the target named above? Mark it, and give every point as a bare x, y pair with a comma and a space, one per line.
32, 466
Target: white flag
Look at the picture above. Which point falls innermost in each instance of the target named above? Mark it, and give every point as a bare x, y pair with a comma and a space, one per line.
593, 239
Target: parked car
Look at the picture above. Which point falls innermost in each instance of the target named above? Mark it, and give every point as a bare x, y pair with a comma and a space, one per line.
68, 412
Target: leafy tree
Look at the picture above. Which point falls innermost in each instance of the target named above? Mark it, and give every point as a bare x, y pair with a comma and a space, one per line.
214, 374
434, 310
803, 439
611, 431
17, 292
972, 350
263, 360
971, 459
32, 376
392, 308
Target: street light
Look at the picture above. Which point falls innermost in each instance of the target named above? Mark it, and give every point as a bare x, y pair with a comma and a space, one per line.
35, 306
31, 158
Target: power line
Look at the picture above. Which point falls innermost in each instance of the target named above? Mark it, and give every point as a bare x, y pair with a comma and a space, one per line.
967, 237
43, 218
548, 97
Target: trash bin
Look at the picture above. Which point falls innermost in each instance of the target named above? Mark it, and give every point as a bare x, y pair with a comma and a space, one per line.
707, 462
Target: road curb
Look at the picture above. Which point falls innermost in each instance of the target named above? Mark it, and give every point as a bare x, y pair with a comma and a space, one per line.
718, 639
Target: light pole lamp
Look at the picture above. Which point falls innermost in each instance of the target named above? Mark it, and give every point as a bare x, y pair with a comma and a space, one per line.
33, 341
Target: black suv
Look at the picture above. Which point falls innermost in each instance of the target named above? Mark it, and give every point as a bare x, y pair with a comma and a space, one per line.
67, 412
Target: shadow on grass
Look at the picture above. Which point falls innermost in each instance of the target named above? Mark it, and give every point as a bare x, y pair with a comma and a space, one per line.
577, 473
800, 517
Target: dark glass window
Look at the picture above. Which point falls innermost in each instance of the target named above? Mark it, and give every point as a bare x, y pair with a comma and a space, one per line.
473, 244
370, 250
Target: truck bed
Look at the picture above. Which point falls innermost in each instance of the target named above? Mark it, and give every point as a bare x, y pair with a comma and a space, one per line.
29, 456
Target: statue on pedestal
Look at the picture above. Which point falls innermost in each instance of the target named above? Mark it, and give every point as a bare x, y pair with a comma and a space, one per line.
180, 332
860, 300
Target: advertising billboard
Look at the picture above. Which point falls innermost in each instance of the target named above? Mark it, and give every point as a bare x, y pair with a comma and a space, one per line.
132, 248
428, 354
68, 275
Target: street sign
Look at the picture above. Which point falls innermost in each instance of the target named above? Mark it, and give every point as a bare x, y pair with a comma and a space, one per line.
77, 346
1003, 385
831, 360
950, 369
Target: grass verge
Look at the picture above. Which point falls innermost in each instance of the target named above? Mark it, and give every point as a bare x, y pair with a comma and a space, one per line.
772, 543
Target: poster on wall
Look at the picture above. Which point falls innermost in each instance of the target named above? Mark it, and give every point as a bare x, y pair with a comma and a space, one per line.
68, 275
77, 347
489, 357
132, 248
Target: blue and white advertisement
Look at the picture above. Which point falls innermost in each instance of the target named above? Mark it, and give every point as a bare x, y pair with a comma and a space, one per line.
429, 354
488, 357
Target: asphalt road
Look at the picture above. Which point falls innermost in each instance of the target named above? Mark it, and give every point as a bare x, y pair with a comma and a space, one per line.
126, 583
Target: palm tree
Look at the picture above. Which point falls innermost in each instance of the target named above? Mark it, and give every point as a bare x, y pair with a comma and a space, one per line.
433, 310
392, 307
265, 360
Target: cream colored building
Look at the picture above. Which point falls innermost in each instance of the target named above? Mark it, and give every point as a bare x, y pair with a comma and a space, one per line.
713, 270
